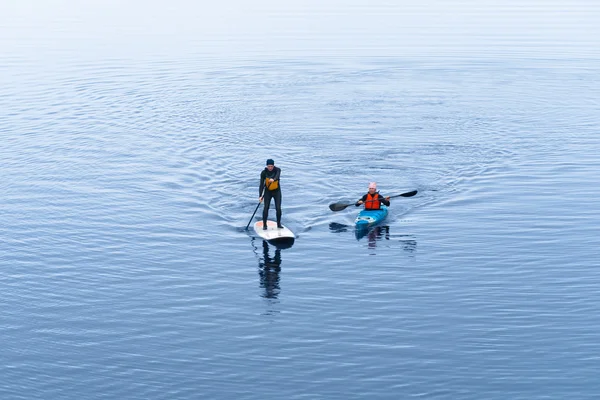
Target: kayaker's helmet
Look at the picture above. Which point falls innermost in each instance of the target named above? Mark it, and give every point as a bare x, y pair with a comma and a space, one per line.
270, 161
372, 185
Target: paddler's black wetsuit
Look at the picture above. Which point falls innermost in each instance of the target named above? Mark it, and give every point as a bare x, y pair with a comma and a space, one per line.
271, 194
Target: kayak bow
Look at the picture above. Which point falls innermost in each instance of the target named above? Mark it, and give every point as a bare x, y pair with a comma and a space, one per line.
368, 218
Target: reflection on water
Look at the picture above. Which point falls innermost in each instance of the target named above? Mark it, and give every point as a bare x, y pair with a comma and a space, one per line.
268, 269
377, 234
338, 228
409, 244
373, 235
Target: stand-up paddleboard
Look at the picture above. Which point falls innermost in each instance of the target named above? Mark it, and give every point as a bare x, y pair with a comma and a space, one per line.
273, 233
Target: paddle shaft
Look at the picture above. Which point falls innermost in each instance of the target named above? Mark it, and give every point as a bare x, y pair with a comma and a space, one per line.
408, 194
256, 209
341, 206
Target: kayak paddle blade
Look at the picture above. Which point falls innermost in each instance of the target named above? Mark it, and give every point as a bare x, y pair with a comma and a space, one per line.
338, 206
409, 194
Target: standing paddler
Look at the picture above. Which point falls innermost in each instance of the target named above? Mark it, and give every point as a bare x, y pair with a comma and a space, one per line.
270, 189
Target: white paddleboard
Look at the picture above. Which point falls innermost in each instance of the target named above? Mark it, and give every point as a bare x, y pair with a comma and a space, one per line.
273, 232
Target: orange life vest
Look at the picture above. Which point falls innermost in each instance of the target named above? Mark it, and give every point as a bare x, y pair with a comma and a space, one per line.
372, 202
273, 186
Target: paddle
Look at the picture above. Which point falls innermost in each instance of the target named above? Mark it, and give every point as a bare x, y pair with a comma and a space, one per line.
341, 206
256, 209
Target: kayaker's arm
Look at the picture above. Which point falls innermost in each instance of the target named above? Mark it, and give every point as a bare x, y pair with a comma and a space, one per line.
361, 200
385, 200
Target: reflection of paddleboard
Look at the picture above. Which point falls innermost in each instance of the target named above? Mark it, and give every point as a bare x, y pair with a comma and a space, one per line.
272, 232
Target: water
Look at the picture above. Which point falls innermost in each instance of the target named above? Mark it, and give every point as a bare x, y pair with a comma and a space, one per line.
132, 141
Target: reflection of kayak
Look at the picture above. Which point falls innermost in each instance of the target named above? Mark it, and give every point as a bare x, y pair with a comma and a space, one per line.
272, 233
375, 234
367, 218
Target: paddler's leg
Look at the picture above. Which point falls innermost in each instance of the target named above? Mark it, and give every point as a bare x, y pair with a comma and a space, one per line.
277, 197
267, 204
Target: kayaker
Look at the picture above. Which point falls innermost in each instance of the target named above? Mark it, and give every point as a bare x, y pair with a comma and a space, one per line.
269, 189
372, 200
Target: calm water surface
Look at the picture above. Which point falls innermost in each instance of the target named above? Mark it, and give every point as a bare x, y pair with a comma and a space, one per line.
132, 142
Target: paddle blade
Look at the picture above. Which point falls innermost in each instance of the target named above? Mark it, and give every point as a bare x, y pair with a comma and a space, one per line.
338, 206
409, 194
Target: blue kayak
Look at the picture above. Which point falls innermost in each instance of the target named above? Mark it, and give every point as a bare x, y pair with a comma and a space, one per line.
368, 218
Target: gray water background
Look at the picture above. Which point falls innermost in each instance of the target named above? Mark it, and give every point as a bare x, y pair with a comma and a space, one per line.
132, 138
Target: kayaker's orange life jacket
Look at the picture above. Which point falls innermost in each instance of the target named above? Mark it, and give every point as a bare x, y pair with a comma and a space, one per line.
372, 202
